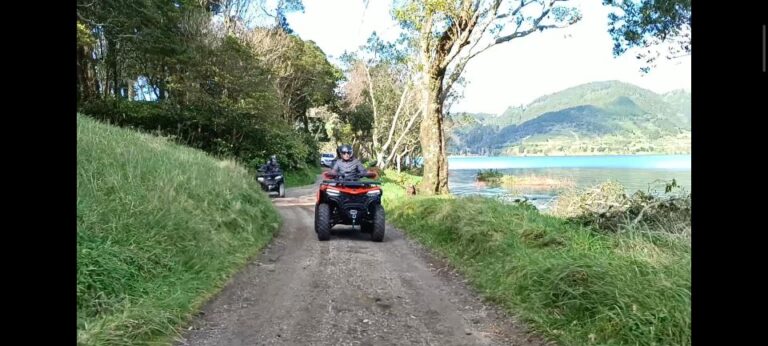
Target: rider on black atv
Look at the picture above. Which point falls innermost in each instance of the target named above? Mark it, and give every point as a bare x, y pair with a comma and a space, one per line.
348, 167
271, 166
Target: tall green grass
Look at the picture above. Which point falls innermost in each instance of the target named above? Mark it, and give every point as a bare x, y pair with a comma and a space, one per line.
571, 283
302, 177
160, 227
394, 185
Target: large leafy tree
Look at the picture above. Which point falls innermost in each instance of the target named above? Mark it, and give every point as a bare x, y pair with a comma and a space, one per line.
651, 25
449, 34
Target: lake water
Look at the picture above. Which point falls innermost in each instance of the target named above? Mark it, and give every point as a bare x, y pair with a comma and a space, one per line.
635, 172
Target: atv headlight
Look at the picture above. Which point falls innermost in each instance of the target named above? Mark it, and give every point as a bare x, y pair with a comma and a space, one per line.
261, 179
373, 193
278, 177
332, 192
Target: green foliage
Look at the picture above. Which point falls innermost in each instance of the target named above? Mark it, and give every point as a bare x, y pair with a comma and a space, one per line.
489, 175
394, 185
193, 69
84, 36
304, 78
302, 177
570, 283
218, 130
160, 227
649, 23
380, 97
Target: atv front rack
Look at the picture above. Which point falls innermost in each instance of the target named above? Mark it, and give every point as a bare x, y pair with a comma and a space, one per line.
351, 183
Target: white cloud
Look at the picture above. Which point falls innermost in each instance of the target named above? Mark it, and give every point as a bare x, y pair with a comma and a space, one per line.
341, 25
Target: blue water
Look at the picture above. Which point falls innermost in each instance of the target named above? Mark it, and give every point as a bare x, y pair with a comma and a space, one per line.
673, 162
635, 172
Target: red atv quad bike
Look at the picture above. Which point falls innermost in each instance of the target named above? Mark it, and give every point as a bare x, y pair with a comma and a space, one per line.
349, 202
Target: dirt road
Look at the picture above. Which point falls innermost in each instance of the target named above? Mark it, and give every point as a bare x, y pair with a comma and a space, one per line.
347, 291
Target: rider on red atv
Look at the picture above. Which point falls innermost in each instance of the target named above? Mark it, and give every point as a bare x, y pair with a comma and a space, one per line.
348, 201
348, 167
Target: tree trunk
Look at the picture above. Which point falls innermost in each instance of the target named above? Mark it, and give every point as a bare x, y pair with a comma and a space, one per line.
400, 158
435, 179
86, 77
115, 73
161, 84
305, 121
380, 161
161, 95
131, 91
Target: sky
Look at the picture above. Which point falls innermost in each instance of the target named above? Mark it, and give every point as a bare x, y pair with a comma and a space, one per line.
510, 74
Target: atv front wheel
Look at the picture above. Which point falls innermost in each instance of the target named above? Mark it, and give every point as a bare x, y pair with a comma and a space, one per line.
378, 224
281, 190
366, 227
323, 222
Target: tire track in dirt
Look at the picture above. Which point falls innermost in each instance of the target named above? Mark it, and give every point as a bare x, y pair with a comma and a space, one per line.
347, 291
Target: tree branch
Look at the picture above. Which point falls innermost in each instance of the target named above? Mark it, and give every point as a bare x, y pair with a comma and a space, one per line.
80, 16
427, 32
402, 135
465, 27
515, 11
536, 25
261, 5
454, 76
373, 104
397, 115
463, 40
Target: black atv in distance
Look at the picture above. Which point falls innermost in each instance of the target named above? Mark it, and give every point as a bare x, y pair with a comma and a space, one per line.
272, 182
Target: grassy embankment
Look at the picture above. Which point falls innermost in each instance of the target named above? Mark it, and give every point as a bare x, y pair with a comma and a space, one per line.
160, 228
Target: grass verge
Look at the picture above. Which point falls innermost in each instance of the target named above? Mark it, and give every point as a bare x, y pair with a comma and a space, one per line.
571, 283
160, 228
302, 177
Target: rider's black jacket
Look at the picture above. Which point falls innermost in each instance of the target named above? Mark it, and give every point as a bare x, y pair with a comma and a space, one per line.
351, 169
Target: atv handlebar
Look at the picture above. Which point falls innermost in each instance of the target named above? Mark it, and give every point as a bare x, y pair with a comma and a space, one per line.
332, 175
351, 183
333, 178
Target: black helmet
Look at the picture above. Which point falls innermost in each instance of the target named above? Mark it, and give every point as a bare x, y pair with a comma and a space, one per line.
346, 148
273, 158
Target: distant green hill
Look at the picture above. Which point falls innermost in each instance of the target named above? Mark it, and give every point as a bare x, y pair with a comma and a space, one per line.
681, 102
600, 117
